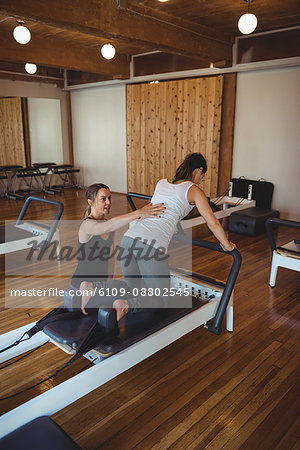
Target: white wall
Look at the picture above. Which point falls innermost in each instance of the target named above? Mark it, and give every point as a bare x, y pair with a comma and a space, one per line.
267, 134
99, 135
266, 144
45, 130
30, 89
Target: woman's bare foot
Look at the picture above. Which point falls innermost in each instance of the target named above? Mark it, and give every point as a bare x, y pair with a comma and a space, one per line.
86, 287
121, 307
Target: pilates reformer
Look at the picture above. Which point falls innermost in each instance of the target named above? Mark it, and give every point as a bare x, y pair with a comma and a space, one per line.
137, 337
18, 236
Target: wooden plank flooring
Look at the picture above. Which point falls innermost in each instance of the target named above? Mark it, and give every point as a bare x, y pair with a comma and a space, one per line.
204, 391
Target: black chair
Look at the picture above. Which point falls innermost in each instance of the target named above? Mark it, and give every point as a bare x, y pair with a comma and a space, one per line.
4, 177
24, 181
65, 173
46, 170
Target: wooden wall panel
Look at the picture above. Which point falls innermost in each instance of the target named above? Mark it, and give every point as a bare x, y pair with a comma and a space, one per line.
227, 131
11, 132
165, 122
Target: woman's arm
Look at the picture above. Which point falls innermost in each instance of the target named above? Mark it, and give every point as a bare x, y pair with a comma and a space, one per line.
93, 227
196, 195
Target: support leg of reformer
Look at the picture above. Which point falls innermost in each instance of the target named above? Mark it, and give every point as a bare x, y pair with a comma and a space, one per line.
56, 240
44, 245
274, 269
12, 336
229, 315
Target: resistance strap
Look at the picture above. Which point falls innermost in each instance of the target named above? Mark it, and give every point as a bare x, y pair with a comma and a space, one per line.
93, 336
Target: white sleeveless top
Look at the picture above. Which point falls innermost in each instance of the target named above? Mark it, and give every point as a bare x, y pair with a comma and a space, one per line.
158, 231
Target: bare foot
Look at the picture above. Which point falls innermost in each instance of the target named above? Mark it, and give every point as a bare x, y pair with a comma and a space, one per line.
121, 307
86, 287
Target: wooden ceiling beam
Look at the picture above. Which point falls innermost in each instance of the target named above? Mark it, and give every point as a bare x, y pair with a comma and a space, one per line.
141, 9
58, 53
107, 20
26, 77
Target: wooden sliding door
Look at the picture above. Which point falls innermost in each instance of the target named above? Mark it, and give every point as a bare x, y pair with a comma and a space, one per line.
165, 122
11, 132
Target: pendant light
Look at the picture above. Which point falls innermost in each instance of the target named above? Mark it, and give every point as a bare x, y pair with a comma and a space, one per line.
247, 22
108, 51
30, 68
21, 33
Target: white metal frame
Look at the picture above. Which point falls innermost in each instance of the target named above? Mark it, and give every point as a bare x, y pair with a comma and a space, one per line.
104, 369
279, 259
39, 234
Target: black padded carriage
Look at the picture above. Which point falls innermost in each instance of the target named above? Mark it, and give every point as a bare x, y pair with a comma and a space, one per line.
132, 328
40, 433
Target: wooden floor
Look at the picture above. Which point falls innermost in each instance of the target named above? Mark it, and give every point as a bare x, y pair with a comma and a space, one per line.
204, 391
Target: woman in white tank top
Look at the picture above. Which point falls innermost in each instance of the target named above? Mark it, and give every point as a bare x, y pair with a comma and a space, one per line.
146, 242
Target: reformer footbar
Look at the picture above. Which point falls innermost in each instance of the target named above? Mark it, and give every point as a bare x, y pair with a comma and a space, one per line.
19, 236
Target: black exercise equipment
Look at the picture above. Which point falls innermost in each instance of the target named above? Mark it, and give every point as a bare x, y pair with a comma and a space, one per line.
40, 433
23, 181
113, 337
5, 173
251, 221
114, 347
46, 170
65, 173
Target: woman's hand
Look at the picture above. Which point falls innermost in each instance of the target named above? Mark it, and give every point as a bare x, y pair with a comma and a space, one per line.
228, 247
151, 210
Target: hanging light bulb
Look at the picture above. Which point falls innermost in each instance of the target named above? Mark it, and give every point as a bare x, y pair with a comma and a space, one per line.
30, 68
108, 51
21, 33
247, 22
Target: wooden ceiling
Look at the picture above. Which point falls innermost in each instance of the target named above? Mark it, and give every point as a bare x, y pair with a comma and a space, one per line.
68, 34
